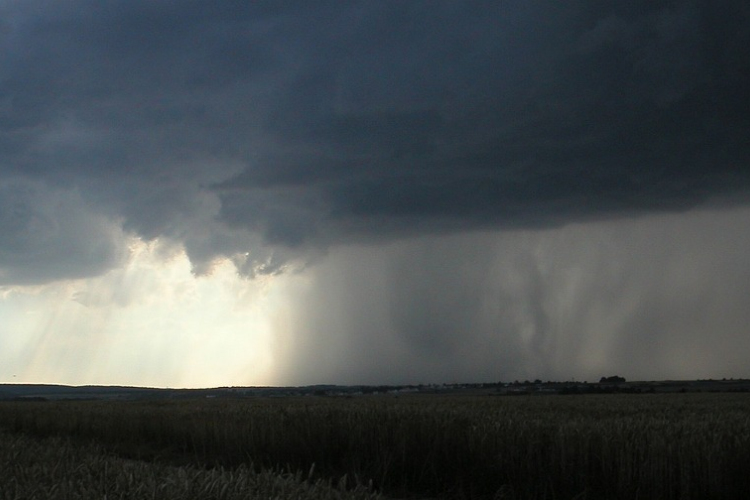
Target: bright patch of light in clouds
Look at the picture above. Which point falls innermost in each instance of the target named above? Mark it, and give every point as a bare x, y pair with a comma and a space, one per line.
148, 323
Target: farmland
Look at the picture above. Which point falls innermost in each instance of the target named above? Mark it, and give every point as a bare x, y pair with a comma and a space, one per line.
614, 446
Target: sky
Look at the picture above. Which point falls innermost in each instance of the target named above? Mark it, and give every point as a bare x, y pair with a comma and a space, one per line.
199, 193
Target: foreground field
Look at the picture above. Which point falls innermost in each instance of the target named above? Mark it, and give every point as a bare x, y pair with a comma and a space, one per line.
529, 447
57, 468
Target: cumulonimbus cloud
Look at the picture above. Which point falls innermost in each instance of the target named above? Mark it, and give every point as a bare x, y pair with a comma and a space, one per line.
291, 127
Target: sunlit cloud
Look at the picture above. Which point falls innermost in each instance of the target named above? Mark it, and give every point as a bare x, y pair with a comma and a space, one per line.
151, 322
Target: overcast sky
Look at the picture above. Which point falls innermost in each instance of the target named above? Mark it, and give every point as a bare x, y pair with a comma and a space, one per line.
200, 193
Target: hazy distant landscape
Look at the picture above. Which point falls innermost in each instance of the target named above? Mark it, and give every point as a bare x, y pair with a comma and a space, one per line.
61, 392
651, 440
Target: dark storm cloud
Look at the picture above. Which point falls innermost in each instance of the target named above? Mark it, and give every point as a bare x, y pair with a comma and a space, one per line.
49, 235
520, 115
243, 126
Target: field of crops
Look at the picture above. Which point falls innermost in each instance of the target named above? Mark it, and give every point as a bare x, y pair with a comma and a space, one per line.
664, 446
58, 468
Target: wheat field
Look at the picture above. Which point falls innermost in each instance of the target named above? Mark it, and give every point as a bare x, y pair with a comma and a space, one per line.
665, 446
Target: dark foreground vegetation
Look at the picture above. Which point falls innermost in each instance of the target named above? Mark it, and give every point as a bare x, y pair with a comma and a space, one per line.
616, 446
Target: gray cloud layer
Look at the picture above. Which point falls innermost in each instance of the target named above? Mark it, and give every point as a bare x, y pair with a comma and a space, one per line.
238, 126
48, 235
